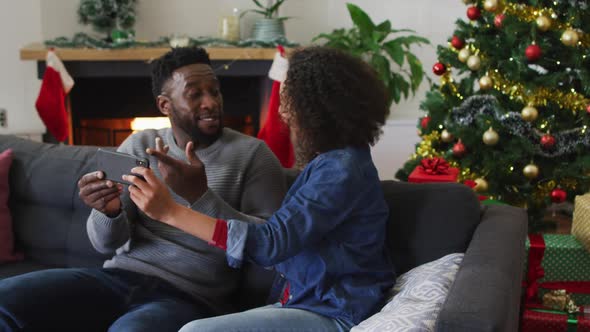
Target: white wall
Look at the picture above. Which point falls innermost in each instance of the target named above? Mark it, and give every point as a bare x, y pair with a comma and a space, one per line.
37, 20
20, 23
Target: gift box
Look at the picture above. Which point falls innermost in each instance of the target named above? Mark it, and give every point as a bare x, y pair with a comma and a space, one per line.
581, 220
433, 170
556, 261
540, 320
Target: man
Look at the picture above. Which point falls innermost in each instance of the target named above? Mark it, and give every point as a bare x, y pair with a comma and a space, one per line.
159, 277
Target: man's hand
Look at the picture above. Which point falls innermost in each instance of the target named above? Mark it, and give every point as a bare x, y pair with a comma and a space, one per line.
99, 194
188, 180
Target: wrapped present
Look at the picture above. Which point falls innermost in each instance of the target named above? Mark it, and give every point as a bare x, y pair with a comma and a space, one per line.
581, 220
556, 261
540, 320
433, 170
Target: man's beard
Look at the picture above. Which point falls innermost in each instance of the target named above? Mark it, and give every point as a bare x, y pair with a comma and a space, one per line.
194, 132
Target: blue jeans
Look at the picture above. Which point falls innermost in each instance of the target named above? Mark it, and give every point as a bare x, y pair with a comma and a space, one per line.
94, 299
268, 318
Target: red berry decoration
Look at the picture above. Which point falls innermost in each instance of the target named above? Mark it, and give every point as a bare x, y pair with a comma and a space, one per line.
499, 20
439, 68
457, 42
424, 122
547, 141
533, 52
473, 13
558, 195
459, 149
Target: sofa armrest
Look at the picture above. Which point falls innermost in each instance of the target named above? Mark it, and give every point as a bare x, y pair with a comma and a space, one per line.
486, 293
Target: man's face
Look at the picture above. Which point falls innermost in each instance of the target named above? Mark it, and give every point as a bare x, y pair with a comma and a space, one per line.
196, 104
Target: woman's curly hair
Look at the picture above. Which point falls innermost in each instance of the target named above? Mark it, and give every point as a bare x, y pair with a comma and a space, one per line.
335, 99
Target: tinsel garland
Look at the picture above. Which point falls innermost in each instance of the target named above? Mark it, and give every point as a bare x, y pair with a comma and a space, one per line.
473, 107
425, 148
82, 40
572, 100
530, 14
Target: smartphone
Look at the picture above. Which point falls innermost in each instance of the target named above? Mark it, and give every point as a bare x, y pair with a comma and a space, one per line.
115, 164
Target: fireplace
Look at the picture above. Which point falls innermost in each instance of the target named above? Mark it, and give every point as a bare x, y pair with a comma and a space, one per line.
112, 87
102, 109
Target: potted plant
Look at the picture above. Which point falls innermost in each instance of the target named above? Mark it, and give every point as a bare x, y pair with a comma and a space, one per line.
377, 45
115, 18
270, 27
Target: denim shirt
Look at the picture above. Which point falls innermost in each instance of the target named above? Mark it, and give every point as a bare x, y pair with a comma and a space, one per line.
327, 239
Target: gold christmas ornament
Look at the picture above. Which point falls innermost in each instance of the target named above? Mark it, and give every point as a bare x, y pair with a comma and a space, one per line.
464, 54
530, 171
467, 1
481, 185
446, 137
485, 83
490, 5
543, 23
569, 37
529, 113
490, 137
474, 62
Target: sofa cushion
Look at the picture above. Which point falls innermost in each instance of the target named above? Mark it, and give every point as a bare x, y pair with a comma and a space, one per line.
416, 299
49, 218
6, 235
428, 221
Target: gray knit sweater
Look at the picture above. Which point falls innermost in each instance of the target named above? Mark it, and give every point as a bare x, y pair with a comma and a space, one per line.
242, 175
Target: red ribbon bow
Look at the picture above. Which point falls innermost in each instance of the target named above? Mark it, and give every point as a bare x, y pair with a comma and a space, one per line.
435, 166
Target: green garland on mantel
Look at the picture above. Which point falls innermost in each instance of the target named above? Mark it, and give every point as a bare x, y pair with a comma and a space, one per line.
82, 40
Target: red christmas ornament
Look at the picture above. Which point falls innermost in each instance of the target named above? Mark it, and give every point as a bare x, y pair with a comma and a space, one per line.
547, 141
439, 68
558, 195
499, 20
457, 42
473, 13
533, 52
424, 122
459, 149
588, 109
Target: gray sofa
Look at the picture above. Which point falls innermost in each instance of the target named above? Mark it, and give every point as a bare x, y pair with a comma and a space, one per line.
427, 221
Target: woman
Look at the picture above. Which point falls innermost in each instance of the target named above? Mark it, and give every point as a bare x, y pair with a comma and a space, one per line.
328, 237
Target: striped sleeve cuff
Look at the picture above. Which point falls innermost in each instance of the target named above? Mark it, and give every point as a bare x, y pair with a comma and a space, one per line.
237, 233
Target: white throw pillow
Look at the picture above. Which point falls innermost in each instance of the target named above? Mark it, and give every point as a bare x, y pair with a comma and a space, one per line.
416, 298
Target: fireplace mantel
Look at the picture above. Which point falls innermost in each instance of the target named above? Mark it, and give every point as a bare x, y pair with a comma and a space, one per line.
108, 78
37, 52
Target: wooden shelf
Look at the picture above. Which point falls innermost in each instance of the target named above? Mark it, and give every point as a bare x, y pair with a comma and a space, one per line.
38, 52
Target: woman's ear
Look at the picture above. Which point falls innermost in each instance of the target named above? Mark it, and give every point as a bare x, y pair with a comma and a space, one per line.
164, 104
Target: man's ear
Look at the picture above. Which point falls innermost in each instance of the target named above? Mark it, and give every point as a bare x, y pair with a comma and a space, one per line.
164, 104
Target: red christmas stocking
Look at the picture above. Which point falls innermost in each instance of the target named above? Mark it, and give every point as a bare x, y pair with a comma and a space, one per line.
274, 131
50, 103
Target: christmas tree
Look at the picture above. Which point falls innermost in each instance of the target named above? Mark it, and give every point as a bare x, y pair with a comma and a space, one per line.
512, 108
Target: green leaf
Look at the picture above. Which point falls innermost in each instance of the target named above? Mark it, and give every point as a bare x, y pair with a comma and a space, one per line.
416, 70
409, 40
361, 20
395, 51
395, 91
384, 26
381, 65
259, 4
401, 84
275, 7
